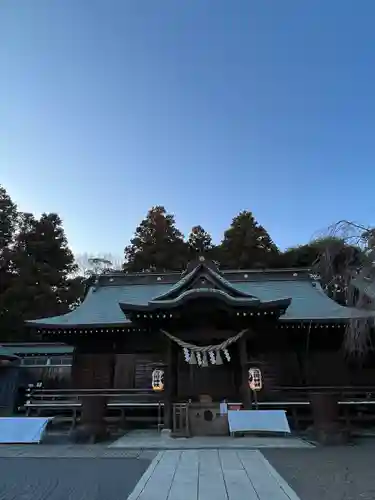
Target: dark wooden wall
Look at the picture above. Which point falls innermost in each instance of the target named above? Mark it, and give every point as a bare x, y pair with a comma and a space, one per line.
134, 371
285, 358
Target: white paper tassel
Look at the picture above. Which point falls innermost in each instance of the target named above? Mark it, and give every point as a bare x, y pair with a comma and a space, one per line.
219, 359
212, 357
204, 359
192, 360
186, 354
226, 354
199, 358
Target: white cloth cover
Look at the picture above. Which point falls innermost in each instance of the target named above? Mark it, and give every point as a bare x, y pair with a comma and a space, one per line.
258, 421
22, 429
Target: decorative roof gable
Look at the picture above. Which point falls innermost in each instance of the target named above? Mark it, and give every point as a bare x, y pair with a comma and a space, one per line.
203, 281
203, 277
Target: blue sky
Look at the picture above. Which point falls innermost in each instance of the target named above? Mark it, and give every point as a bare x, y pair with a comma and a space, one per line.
205, 106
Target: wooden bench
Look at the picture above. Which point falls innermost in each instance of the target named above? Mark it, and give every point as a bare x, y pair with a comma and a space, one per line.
352, 401
48, 401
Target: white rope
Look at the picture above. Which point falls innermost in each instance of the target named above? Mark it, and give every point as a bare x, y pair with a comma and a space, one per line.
196, 348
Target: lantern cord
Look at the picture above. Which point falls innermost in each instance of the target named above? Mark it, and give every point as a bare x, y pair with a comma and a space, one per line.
205, 349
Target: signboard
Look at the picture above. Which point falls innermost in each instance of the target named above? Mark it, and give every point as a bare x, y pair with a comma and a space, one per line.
18, 430
258, 421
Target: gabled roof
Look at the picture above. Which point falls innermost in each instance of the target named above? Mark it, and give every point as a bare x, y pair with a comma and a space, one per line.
101, 306
206, 282
202, 269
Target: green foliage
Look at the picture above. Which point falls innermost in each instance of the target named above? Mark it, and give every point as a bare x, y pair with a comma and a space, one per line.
199, 243
8, 226
36, 269
8, 220
331, 258
247, 245
317, 251
43, 264
157, 244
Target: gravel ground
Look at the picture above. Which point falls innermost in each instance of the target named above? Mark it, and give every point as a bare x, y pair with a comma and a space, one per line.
331, 473
69, 478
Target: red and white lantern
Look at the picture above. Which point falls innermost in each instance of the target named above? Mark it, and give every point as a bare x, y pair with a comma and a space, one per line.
255, 379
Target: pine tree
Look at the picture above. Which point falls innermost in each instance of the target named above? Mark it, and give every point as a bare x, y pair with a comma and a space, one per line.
199, 243
8, 220
43, 266
8, 225
199, 240
157, 244
246, 244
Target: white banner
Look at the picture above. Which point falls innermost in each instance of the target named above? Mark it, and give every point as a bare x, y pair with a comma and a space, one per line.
15, 430
258, 421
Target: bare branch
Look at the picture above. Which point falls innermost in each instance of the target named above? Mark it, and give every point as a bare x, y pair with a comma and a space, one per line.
89, 264
346, 266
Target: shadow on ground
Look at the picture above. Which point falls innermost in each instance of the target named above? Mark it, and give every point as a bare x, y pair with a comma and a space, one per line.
69, 478
331, 473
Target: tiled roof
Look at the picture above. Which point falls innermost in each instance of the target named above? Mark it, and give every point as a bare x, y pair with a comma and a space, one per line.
6, 353
101, 305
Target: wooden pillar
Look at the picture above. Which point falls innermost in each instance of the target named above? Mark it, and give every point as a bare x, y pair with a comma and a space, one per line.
92, 371
170, 383
244, 388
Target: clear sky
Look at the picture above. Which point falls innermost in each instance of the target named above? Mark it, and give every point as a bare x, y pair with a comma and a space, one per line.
205, 106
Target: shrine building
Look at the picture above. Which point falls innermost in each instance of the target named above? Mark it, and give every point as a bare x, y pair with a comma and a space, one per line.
204, 329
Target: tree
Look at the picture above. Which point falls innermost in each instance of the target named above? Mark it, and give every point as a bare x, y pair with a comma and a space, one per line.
247, 244
330, 257
349, 266
42, 272
199, 242
89, 264
9, 218
157, 244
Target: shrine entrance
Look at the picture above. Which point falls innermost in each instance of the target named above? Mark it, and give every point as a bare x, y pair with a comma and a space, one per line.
199, 378
203, 323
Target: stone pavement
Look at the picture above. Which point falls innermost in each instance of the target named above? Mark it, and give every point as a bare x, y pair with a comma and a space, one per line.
211, 475
153, 440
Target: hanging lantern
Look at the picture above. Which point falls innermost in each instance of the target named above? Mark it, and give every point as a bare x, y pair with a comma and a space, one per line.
158, 380
255, 379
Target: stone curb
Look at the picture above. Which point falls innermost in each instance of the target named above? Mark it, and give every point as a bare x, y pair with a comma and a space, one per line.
140, 486
289, 492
